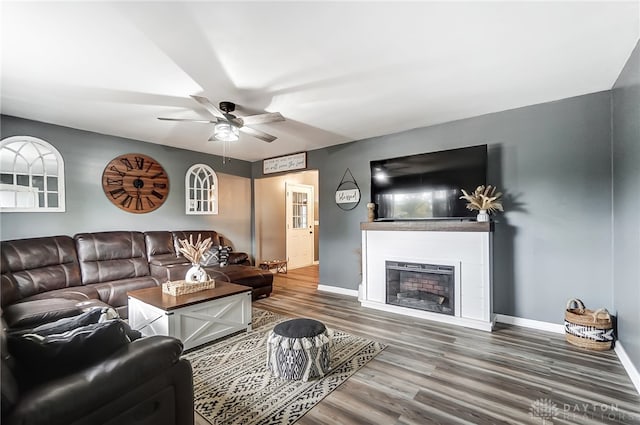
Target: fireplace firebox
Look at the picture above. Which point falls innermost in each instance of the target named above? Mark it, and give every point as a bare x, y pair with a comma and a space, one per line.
428, 287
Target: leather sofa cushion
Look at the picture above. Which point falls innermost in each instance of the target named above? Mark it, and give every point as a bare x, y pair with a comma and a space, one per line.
31, 266
167, 260
78, 293
114, 292
239, 258
111, 256
243, 275
30, 314
9, 293
159, 243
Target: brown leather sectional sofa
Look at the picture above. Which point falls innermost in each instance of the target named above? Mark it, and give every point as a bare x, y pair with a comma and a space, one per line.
43, 279
145, 381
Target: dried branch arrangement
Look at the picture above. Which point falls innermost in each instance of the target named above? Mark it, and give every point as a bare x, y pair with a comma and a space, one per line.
193, 252
484, 198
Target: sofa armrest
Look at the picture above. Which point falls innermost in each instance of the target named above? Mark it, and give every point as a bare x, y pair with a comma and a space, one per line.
77, 395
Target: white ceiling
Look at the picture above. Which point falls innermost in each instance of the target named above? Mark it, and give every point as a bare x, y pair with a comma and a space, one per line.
338, 72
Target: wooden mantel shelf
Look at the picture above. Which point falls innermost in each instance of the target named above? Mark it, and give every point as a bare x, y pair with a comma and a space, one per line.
429, 226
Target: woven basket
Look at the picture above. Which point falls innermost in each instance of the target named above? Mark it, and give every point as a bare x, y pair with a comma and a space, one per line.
587, 328
181, 287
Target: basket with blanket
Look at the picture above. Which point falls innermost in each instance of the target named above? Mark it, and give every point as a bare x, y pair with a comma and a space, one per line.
587, 328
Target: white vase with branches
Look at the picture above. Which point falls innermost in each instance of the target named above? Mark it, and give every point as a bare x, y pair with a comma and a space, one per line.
193, 252
485, 200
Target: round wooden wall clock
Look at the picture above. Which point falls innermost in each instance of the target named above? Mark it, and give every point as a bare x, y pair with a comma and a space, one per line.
135, 183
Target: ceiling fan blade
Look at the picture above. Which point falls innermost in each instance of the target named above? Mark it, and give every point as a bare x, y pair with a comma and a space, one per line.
213, 110
258, 134
188, 120
262, 118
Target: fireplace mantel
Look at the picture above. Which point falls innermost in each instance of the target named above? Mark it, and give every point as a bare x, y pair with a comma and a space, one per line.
465, 245
429, 226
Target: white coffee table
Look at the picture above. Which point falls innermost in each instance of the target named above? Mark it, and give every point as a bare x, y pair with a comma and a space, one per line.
196, 318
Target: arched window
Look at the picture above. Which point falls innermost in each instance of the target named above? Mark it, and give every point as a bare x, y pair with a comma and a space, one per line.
201, 184
31, 176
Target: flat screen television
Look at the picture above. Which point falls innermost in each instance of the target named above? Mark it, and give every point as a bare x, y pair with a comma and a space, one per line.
427, 186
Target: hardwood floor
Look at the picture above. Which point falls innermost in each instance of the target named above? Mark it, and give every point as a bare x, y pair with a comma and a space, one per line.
432, 373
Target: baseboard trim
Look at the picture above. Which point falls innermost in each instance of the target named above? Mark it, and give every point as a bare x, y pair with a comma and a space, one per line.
528, 323
628, 365
336, 290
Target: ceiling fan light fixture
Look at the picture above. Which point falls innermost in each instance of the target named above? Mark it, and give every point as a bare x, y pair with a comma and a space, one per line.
225, 132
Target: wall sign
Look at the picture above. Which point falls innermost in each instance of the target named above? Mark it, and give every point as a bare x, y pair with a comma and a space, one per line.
348, 192
296, 161
347, 196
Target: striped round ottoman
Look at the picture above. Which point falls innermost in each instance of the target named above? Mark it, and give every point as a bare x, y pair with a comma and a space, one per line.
299, 349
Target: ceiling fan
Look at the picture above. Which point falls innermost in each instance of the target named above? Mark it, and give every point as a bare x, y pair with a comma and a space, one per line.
227, 125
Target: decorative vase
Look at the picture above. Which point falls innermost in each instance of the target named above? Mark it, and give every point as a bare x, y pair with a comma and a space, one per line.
196, 274
371, 213
483, 216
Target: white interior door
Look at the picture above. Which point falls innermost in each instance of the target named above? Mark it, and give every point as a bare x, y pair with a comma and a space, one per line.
300, 219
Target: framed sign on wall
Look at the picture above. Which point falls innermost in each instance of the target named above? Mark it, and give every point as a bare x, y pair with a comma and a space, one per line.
348, 192
296, 161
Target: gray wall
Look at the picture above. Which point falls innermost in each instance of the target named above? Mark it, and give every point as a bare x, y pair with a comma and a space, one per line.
553, 160
554, 240
626, 205
85, 155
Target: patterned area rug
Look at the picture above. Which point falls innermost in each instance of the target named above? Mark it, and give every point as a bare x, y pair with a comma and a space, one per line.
232, 384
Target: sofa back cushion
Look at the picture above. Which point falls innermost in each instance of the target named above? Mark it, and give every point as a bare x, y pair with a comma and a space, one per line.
159, 243
32, 266
107, 256
185, 234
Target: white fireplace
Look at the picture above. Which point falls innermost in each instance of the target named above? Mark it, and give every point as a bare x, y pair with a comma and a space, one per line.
462, 247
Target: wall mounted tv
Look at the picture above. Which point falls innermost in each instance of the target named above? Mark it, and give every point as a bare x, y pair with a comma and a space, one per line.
427, 186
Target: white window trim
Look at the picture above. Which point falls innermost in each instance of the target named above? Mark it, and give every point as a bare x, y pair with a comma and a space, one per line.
61, 177
214, 177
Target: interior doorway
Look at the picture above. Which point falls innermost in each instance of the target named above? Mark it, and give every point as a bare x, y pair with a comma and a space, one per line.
299, 224
270, 214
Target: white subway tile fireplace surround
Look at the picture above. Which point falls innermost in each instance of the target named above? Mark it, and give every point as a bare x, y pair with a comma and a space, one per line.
465, 245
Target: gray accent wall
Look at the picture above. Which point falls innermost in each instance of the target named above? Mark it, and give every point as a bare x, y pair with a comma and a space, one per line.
85, 155
626, 205
553, 160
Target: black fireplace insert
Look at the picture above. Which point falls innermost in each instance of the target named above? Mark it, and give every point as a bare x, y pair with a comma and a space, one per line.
428, 287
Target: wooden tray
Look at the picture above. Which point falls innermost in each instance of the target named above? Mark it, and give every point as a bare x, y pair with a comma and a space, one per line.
181, 287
